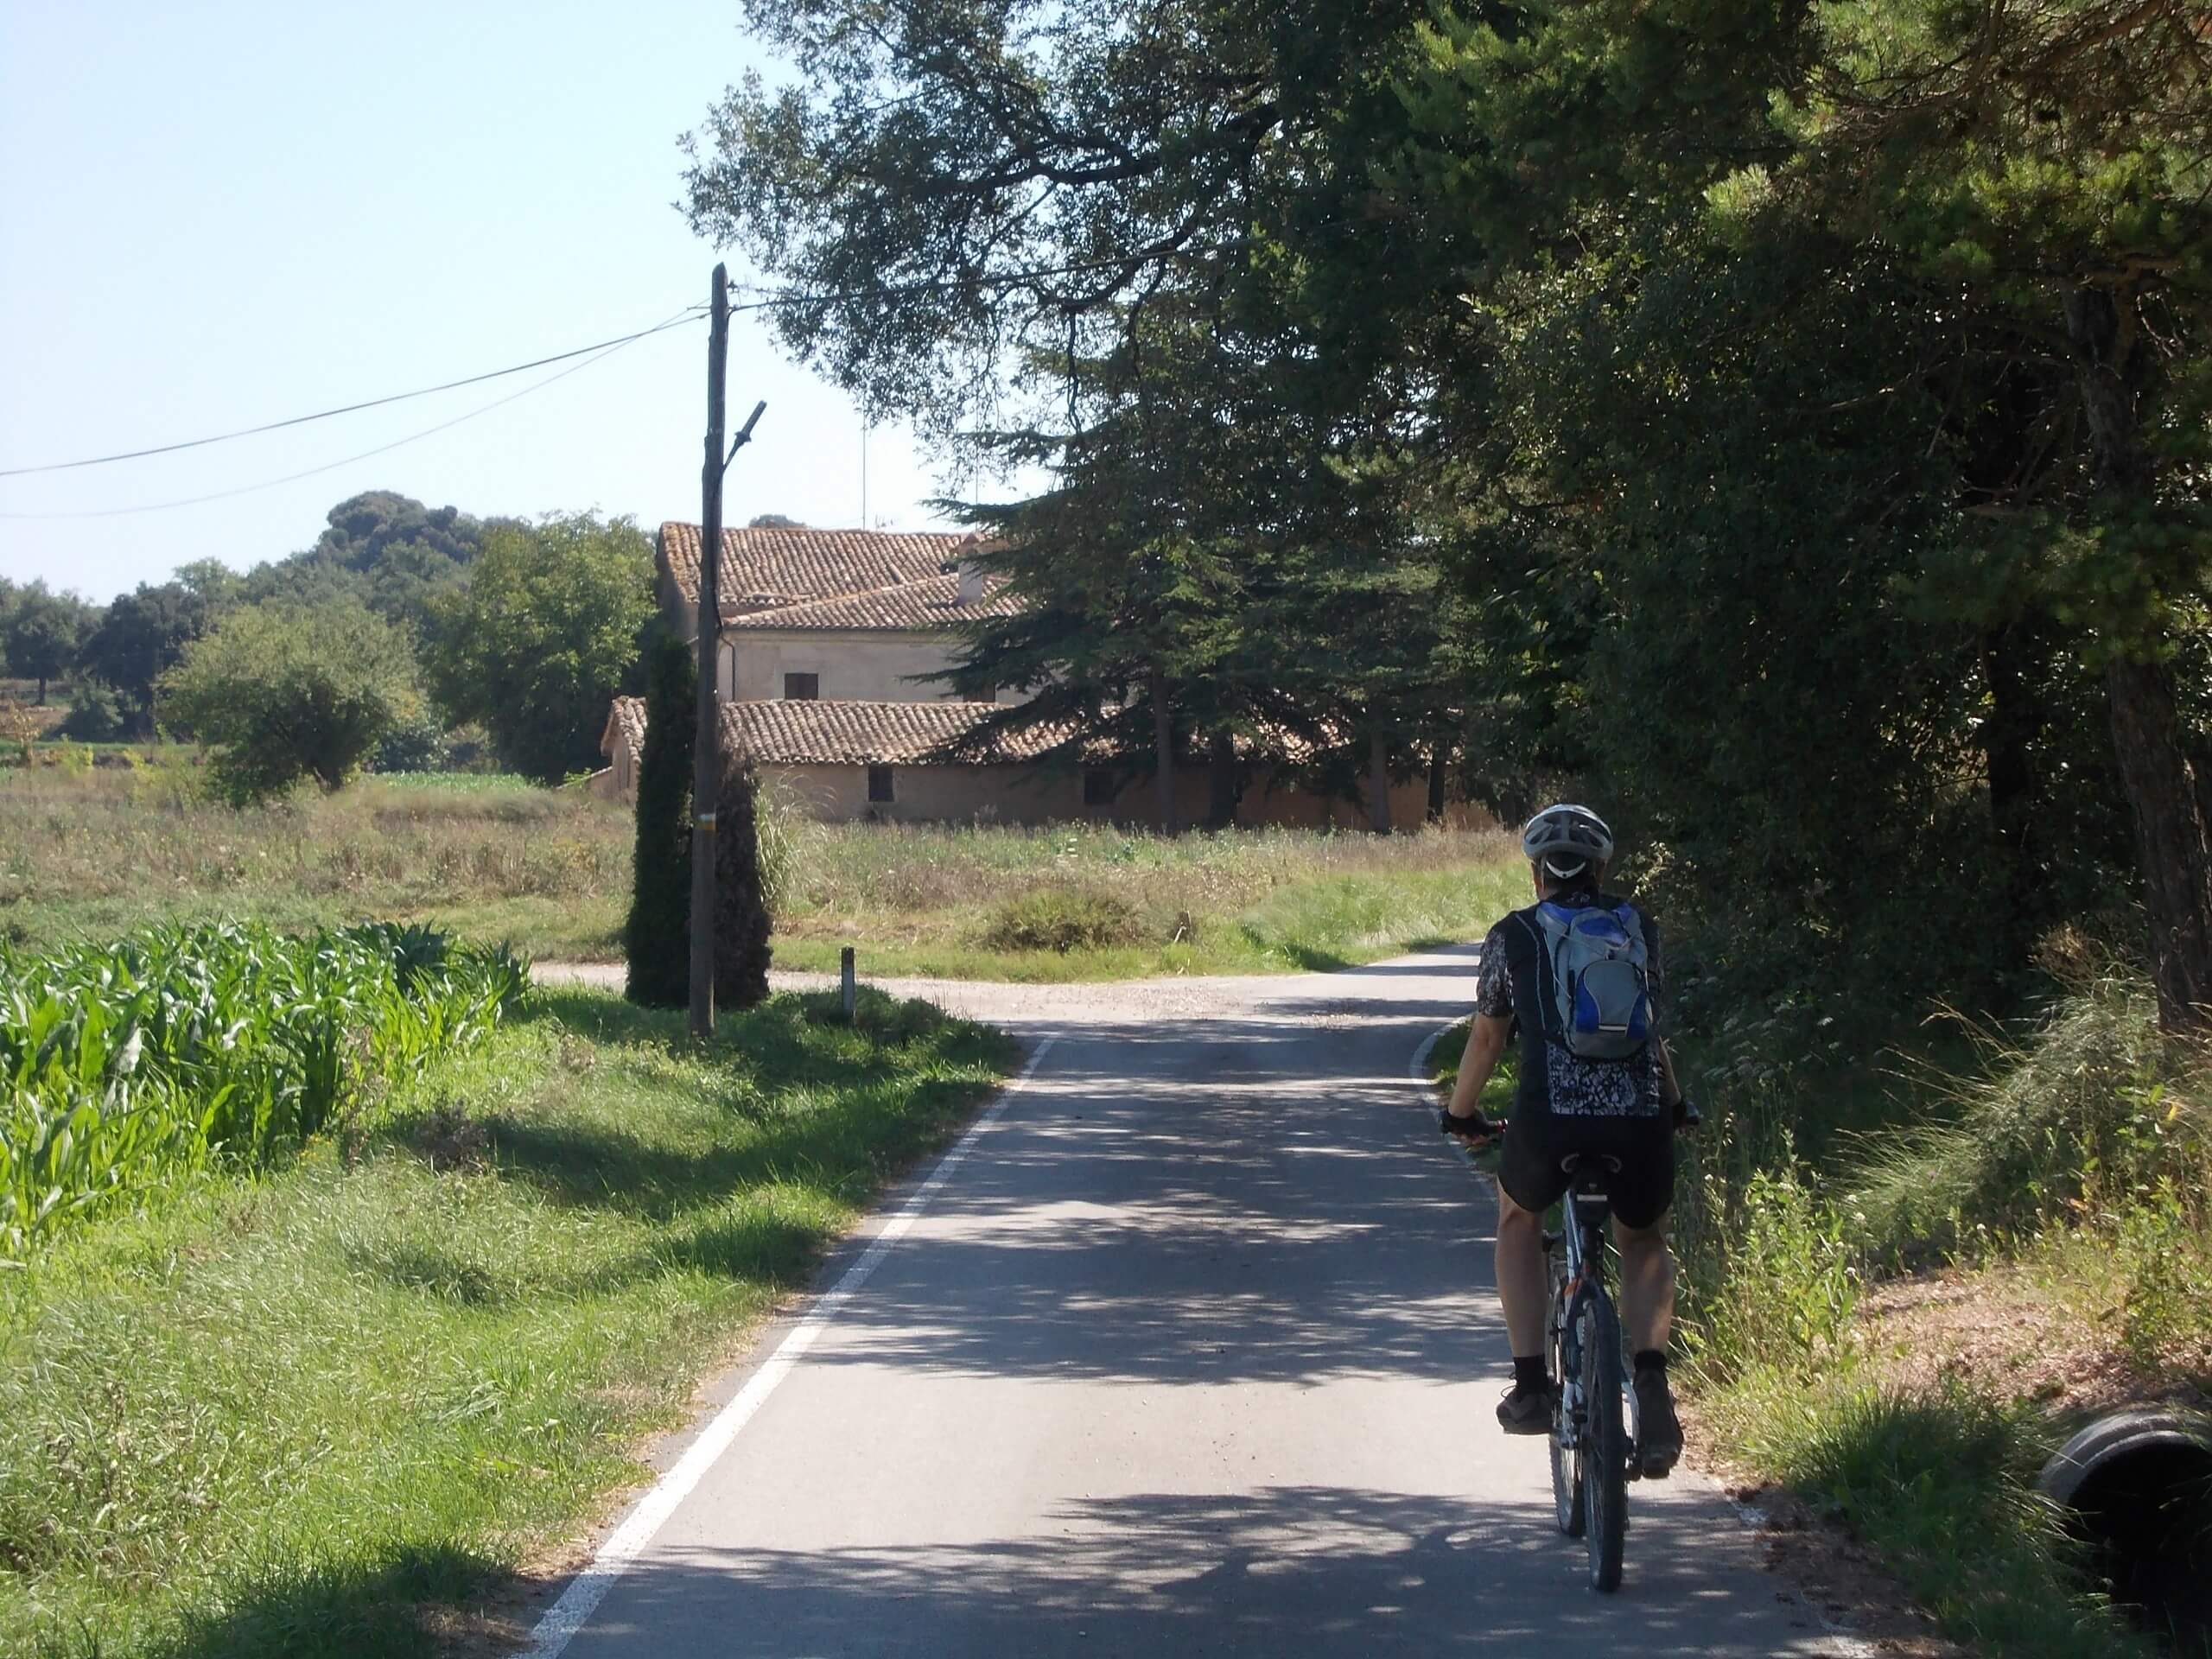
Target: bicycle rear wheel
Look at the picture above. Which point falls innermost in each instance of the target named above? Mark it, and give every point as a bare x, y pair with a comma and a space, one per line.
1566, 1459
1605, 1441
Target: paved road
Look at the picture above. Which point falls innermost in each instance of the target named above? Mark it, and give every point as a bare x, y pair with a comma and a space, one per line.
1194, 1353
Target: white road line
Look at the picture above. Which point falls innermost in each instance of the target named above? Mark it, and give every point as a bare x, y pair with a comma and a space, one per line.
1417, 1068
584, 1591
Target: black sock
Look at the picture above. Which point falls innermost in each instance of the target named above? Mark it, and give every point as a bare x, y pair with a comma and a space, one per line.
1651, 1359
1528, 1376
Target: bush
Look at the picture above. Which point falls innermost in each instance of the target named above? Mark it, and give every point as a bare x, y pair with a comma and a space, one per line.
287, 692
741, 907
1787, 1284
657, 938
418, 745
1062, 918
96, 714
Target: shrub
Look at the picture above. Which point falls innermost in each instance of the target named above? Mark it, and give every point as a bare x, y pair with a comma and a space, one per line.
1787, 1284
287, 692
740, 906
96, 714
417, 746
1062, 919
657, 938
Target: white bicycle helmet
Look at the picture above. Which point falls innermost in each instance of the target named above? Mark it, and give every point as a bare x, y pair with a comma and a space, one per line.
1566, 840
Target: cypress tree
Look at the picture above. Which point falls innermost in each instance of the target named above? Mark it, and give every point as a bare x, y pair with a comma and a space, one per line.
740, 910
656, 939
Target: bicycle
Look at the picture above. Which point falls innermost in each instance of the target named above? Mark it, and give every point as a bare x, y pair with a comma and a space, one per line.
1595, 1430
1592, 1439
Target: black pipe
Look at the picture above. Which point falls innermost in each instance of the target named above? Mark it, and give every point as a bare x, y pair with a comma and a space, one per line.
2137, 1488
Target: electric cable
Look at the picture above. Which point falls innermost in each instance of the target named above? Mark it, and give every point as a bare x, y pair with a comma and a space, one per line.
604, 352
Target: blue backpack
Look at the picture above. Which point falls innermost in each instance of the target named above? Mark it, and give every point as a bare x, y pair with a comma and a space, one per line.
1599, 968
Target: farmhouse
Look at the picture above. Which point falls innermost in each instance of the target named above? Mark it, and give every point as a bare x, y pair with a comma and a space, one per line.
826, 640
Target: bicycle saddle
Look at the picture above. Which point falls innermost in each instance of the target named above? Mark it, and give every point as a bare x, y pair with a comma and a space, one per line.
1587, 1163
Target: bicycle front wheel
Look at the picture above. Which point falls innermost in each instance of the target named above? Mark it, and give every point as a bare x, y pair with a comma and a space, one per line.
1605, 1441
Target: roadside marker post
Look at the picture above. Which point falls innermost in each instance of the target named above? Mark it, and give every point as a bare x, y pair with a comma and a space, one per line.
847, 989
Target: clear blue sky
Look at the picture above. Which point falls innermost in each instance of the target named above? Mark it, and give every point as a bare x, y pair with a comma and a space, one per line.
218, 214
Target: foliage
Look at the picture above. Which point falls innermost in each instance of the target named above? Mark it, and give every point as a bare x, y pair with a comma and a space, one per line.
657, 938
2082, 1122
96, 713
418, 744
140, 637
543, 637
287, 692
339, 1404
126, 1064
1062, 918
741, 900
40, 633
1941, 1485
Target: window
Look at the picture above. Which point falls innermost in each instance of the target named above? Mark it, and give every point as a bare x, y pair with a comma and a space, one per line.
878, 784
1098, 788
803, 688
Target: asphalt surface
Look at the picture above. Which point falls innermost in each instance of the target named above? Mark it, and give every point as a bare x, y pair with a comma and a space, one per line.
1194, 1352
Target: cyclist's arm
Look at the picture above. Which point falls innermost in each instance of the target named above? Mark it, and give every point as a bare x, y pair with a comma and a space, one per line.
1486, 1042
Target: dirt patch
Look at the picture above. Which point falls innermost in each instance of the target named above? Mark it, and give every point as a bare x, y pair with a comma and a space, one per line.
2001, 1333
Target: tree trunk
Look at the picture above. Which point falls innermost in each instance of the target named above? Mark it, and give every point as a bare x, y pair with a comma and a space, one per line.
1378, 782
42, 691
1440, 764
2171, 837
1163, 749
2170, 800
1222, 788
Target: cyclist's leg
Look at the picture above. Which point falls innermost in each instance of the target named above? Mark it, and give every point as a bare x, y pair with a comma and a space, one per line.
1521, 1282
1647, 1284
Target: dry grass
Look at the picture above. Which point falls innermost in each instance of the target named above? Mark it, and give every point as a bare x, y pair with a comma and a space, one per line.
92, 851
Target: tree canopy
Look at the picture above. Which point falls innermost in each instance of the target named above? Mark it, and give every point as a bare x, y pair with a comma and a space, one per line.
544, 634
286, 692
1790, 424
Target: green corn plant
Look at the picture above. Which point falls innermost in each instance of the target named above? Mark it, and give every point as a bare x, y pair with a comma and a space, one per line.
126, 1064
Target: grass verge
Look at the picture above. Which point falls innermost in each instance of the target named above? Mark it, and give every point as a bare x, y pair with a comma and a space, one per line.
324, 1411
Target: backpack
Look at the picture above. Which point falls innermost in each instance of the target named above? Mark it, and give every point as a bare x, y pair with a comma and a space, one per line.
1599, 965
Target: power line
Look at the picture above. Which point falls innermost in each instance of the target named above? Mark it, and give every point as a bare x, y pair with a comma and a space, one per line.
602, 352
691, 313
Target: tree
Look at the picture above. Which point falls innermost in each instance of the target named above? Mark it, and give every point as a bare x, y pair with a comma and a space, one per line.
41, 634
542, 639
656, 938
287, 692
139, 637
742, 920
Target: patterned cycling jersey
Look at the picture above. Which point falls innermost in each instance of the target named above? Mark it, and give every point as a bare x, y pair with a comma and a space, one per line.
1512, 981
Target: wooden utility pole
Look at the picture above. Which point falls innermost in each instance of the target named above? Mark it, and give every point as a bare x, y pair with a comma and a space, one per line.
707, 742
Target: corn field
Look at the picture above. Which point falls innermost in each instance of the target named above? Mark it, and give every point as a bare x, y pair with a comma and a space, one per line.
126, 1064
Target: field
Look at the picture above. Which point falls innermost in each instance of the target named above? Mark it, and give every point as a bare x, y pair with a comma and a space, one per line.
89, 852
325, 1410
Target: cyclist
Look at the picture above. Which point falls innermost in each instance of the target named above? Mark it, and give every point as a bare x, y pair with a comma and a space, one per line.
1622, 1108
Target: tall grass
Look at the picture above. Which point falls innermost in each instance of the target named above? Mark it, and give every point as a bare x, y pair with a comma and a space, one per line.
125, 1063
94, 853
2082, 1123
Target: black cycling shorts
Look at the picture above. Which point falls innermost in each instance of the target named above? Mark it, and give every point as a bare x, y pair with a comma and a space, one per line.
1641, 1191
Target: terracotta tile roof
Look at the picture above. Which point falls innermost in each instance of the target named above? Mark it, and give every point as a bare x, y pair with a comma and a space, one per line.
626, 726
793, 733
912, 607
764, 569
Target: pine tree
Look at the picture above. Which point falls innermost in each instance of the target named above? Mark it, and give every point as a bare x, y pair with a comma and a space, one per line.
656, 939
